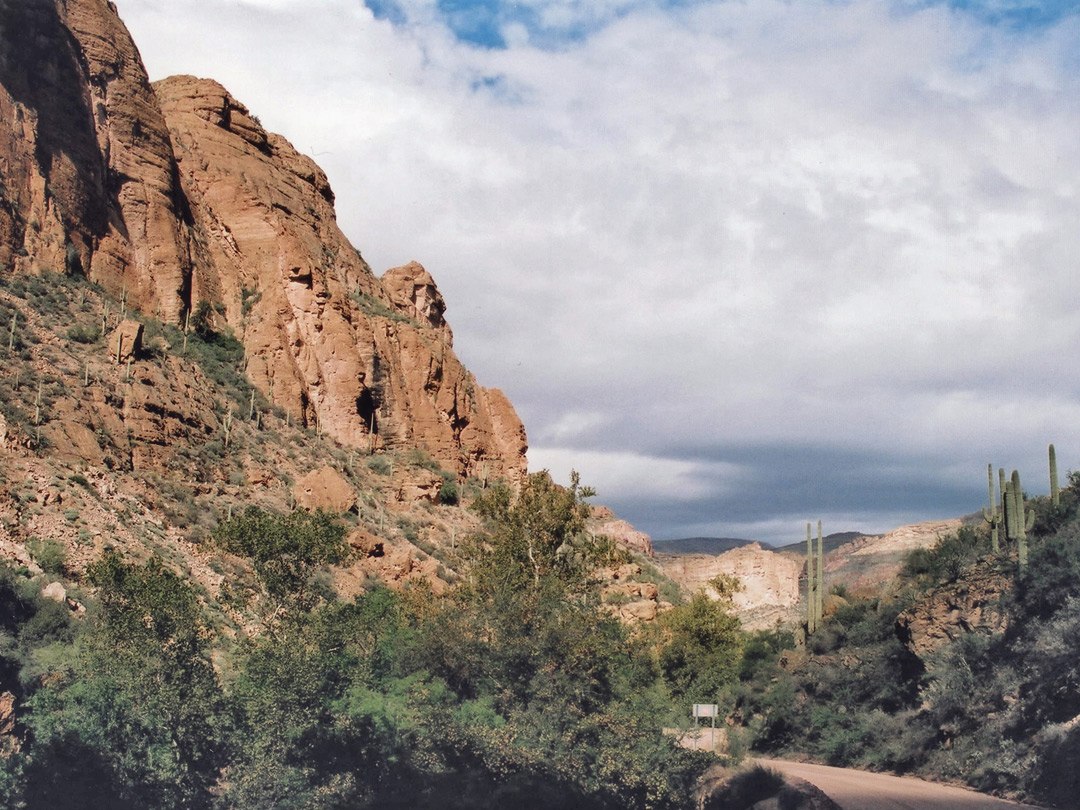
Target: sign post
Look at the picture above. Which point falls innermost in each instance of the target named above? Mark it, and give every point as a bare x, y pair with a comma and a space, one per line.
707, 710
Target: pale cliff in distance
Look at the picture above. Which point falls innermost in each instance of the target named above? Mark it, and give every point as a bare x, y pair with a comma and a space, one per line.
773, 582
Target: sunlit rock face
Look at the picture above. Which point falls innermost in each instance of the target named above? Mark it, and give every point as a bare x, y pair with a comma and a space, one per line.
174, 195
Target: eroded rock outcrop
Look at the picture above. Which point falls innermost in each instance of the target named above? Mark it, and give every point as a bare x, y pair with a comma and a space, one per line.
767, 578
368, 362
970, 604
603, 521
325, 489
868, 562
769, 581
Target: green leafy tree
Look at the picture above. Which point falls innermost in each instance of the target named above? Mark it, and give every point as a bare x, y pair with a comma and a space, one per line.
137, 719
285, 550
703, 649
536, 535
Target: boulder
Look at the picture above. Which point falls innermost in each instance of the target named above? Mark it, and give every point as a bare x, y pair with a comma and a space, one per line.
325, 489
126, 341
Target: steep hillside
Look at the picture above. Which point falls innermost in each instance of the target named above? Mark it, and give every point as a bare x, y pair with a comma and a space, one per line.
960, 668
179, 205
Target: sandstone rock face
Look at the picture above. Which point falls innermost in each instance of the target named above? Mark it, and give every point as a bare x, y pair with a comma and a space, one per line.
174, 195
85, 158
367, 362
325, 489
971, 604
603, 521
767, 579
412, 291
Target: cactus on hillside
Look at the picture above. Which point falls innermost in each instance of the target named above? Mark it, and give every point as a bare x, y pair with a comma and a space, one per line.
820, 576
1009, 504
1055, 491
811, 598
1024, 520
992, 515
1001, 493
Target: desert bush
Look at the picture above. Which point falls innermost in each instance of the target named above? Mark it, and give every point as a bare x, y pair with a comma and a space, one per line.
448, 492
49, 554
83, 333
380, 465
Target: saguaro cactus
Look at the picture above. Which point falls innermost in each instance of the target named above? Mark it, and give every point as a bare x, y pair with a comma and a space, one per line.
811, 597
993, 514
1001, 492
1024, 520
1009, 504
1055, 491
820, 576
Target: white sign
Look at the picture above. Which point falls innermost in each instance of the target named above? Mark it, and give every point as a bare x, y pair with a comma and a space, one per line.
706, 710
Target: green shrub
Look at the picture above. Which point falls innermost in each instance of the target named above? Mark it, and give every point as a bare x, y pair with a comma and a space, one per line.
81, 333
380, 465
448, 492
49, 554
284, 549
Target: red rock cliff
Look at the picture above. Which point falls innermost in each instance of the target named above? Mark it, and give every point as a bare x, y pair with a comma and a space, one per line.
174, 195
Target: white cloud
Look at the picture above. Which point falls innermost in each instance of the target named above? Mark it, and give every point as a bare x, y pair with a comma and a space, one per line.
727, 224
621, 473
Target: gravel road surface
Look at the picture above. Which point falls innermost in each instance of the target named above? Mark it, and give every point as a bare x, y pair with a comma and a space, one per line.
859, 790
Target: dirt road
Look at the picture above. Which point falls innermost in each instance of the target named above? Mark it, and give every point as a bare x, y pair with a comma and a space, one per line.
858, 790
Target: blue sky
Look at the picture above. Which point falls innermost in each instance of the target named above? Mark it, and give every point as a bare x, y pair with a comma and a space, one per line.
482, 22
742, 264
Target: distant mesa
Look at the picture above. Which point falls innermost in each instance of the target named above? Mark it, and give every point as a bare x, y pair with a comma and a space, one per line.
702, 545
831, 541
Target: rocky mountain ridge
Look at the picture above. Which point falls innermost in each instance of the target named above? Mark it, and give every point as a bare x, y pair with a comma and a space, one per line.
774, 580
177, 202
187, 332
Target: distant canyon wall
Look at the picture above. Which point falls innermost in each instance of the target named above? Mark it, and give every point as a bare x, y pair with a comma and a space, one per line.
769, 581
